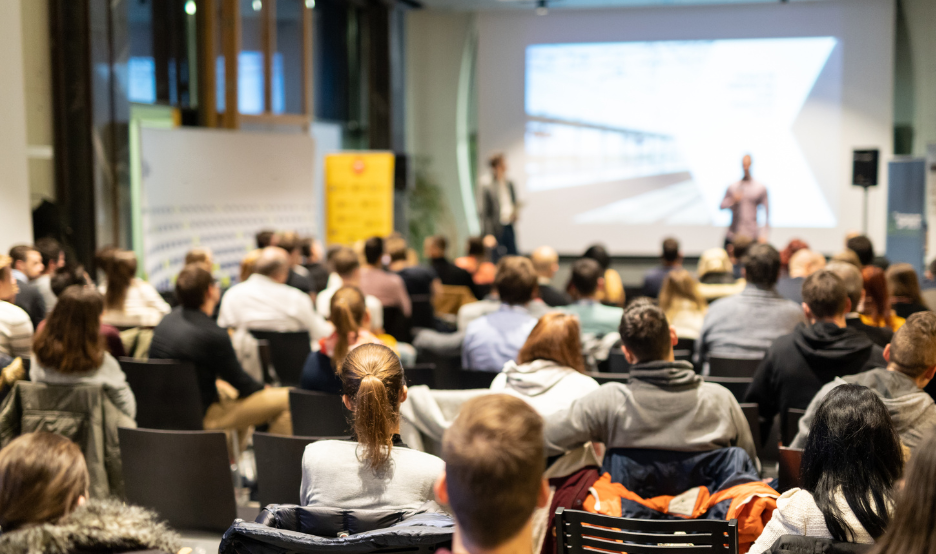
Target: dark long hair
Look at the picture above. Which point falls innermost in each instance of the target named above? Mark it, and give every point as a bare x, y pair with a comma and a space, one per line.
853, 451
71, 340
912, 530
120, 272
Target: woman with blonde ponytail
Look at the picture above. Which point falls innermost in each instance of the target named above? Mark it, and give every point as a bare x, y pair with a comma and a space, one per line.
388, 475
351, 319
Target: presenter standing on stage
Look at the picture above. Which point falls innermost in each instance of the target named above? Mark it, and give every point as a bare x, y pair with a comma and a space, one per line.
743, 198
497, 209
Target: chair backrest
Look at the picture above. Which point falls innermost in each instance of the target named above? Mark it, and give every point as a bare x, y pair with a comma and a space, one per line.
451, 298
682, 355
288, 353
578, 532
732, 367
318, 414
423, 311
184, 476
279, 467
617, 363
685, 344
421, 374
266, 360
166, 392
753, 419
468, 379
737, 385
791, 424
396, 324
603, 378
789, 470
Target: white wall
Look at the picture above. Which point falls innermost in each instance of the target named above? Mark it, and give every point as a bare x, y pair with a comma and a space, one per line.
15, 214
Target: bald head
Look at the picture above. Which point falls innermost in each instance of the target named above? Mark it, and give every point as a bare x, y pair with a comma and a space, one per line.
274, 263
806, 262
545, 261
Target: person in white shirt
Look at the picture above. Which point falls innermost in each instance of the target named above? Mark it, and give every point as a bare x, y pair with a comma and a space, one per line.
16, 330
128, 300
851, 464
265, 302
348, 267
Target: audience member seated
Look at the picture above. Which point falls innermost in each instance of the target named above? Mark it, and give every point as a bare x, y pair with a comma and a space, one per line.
69, 350
318, 273
103, 257
375, 470
298, 274
716, 277
265, 238
387, 287
854, 284
737, 250
786, 255
595, 318
911, 364
347, 266
200, 255
27, 265
65, 277
434, 249
265, 302
493, 479
929, 276
876, 308
671, 259
550, 371
802, 264
128, 300
496, 338
665, 405
352, 321
16, 329
911, 529
421, 282
904, 288
683, 304
851, 463
746, 324
44, 505
862, 247
799, 364
546, 264
53, 257
613, 290
189, 334
477, 263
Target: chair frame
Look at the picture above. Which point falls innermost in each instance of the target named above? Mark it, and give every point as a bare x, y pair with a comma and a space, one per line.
723, 366
578, 532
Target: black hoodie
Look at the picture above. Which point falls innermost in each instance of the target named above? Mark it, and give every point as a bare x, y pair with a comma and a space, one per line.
799, 364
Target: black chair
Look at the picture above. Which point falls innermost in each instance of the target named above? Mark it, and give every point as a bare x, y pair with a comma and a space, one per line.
288, 353
423, 311
791, 424
753, 419
318, 414
617, 363
421, 374
578, 532
467, 379
603, 378
682, 355
396, 324
732, 367
685, 344
279, 467
266, 360
788, 476
737, 385
166, 392
184, 476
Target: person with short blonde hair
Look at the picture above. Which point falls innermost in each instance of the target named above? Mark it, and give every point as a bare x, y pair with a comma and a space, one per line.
683, 304
493, 479
375, 470
550, 370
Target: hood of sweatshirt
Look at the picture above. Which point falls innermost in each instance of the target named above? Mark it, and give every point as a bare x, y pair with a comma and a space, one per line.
536, 377
675, 375
904, 400
827, 343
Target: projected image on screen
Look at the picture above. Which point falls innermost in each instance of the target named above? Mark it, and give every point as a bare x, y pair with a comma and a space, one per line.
649, 133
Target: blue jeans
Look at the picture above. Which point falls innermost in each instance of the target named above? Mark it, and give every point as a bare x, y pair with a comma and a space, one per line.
506, 243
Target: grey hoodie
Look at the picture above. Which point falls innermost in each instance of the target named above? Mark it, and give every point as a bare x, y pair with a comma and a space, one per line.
544, 384
665, 406
912, 410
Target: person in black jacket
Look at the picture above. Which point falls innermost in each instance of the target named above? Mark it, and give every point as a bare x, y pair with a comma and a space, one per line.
797, 365
27, 265
189, 334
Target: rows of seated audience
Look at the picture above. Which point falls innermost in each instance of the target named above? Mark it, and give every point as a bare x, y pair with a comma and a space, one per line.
849, 341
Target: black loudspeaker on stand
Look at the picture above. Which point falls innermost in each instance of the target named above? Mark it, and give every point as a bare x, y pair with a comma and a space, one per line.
865, 175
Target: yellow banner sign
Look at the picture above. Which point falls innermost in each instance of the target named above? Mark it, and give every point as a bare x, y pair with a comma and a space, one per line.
358, 196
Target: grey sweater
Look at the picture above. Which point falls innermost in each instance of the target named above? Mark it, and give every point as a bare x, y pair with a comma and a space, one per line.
912, 410
665, 406
334, 476
108, 375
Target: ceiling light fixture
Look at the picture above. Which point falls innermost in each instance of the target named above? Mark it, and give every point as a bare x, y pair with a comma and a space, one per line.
541, 7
